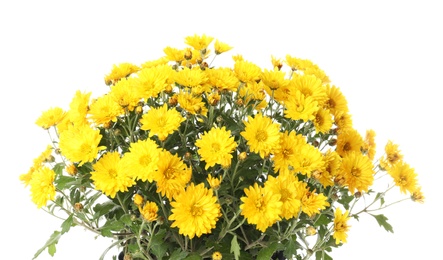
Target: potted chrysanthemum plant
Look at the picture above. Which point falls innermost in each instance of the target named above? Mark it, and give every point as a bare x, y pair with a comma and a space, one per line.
181, 159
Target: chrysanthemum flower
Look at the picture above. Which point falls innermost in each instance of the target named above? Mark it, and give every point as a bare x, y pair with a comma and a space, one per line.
300, 107
322, 121
153, 80
341, 226
195, 211
199, 42
214, 183
174, 54
336, 101
42, 186
286, 185
125, 93
80, 144
404, 177
392, 155
221, 47
104, 110
161, 121
138, 200
120, 71
286, 153
192, 104
297, 64
51, 117
369, 146
308, 160
349, 141
261, 134
311, 202
332, 163
343, 121
194, 78
309, 86
216, 146
261, 206
274, 79
141, 161
78, 108
172, 175
223, 79
253, 94
108, 175
357, 170
417, 195
247, 71
217, 256
149, 211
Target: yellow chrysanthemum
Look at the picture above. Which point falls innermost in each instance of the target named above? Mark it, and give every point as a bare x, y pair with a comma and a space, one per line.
404, 177
104, 110
80, 144
149, 211
417, 195
140, 162
153, 80
191, 103
247, 71
155, 63
322, 121
308, 160
261, 206
195, 211
357, 170
138, 200
172, 175
336, 101
125, 93
217, 256
285, 155
341, 226
311, 202
51, 117
274, 79
392, 155
161, 121
332, 163
78, 108
174, 54
276, 62
297, 64
261, 134
42, 186
221, 47
214, 183
199, 42
216, 146
123, 70
299, 107
253, 94
191, 78
349, 141
369, 146
108, 175
343, 121
223, 79
318, 73
286, 185
309, 86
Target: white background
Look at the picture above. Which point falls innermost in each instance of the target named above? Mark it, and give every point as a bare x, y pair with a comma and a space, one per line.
386, 56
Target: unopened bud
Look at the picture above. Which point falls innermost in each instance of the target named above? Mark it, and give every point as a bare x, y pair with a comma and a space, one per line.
242, 156
188, 54
78, 207
310, 231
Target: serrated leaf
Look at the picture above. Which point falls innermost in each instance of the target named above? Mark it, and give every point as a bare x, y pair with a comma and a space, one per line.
193, 257
383, 222
178, 255
67, 224
322, 255
158, 247
50, 244
235, 248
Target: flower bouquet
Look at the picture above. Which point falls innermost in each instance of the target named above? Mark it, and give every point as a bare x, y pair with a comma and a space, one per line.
181, 159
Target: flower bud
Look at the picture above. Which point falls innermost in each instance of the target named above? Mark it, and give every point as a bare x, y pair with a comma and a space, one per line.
187, 156
78, 207
310, 231
242, 156
127, 257
139, 110
173, 101
138, 199
107, 125
188, 54
71, 169
332, 142
117, 132
357, 194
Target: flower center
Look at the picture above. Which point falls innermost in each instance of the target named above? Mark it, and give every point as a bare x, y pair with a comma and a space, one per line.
145, 160
169, 174
215, 147
196, 210
261, 135
356, 172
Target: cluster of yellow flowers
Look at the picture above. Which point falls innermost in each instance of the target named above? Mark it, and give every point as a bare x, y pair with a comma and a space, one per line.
199, 161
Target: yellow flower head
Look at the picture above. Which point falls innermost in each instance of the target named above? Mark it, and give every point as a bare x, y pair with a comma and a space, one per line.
173, 54
223, 79
286, 186
42, 186
404, 177
332, 163
149, 211
195, 211
311, 202
104, 110
161, 121
341, 226
335, 101
392, 155
369, 146
192, 104
199, 42
138, 200
308, 160
285, 155
172, 175
141, 160
274, 79
80, 144
323, 121
123, 70
50, 117
153, 80
125, 93
349, 141
217, 256
216, 146
78, 108
246, 71
108, 176
214, 183
417, 195
261, 206
261, 134
221, 47
300, 107
357, 170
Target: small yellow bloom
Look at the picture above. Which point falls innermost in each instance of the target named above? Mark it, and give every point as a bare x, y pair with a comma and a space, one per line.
341, 226
216, 146
214, 183
51, 117
149, 211
221, 47
217, 256
138, 200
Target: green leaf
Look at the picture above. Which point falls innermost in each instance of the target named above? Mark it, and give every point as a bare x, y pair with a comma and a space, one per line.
58, 168
322, 255
267, 252
235, 247
322, 220
50, 244
158, 246
382, 221
291, 246
178, 255
67, 224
